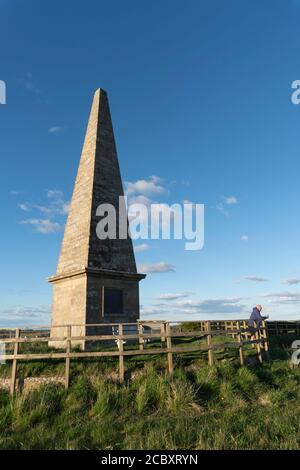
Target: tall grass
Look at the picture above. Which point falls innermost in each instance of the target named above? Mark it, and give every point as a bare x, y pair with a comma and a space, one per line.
223, 407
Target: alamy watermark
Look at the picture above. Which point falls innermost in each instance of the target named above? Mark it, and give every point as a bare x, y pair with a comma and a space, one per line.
2, 352
2, 92
296, 353
152, 222
295, 96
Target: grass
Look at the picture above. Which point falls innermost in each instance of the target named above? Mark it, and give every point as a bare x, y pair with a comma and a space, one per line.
223, 407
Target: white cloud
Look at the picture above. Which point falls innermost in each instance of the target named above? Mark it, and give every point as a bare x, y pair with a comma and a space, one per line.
24, 207
21, 315
43, 225
14, 192
230, 307
255, 279
218, 305
283, 297
55, 129
230, 200
57, 204
161, 267
156, 179
292, 281
152, 186
174, 296
224, 308
221, 208
227, 201
152, 310
140, 248
25, 312
158, 216
244, 238
142, 192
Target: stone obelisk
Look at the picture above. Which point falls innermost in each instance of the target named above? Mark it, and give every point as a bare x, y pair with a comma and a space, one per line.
96, 280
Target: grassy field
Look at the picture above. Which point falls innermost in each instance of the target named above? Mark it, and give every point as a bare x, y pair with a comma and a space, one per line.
223, 407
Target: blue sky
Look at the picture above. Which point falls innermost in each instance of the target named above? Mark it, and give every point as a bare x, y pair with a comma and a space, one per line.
200, 95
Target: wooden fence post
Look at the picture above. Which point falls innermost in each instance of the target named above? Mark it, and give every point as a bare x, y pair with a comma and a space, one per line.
121, 355
141, 340
265, 336
258, 344
163, 333
14, 363
102, 301
209, 346
232, 328
169, 346
240, 340
245, 328
68, 350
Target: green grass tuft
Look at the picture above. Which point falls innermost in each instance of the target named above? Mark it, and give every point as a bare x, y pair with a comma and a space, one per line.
221, 407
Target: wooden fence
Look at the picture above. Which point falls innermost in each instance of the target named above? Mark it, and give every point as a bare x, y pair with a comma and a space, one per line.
164, 332
276, 328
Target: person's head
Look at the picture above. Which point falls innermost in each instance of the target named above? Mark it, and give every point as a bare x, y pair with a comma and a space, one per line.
259, 307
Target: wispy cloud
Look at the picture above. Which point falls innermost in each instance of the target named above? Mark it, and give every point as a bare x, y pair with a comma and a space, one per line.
244, 238
152, 186
196, 309
156, 311
215, 306
14, 192
146, 192
25, 312
283, 297
55, 129
24, 207
292, 281
223, 205
43, 225
175, 296
21, 315
255, 279
57, 204
161, 267
230, 200
140, 248
56, 208
30, 84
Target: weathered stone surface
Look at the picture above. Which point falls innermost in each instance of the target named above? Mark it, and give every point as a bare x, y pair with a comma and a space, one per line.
87, 264
98, 181
31, 383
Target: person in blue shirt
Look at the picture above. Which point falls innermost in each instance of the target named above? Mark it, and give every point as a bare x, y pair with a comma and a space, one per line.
255, 321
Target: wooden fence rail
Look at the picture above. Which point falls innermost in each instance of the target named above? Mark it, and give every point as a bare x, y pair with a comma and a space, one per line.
276, 328
165, 331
